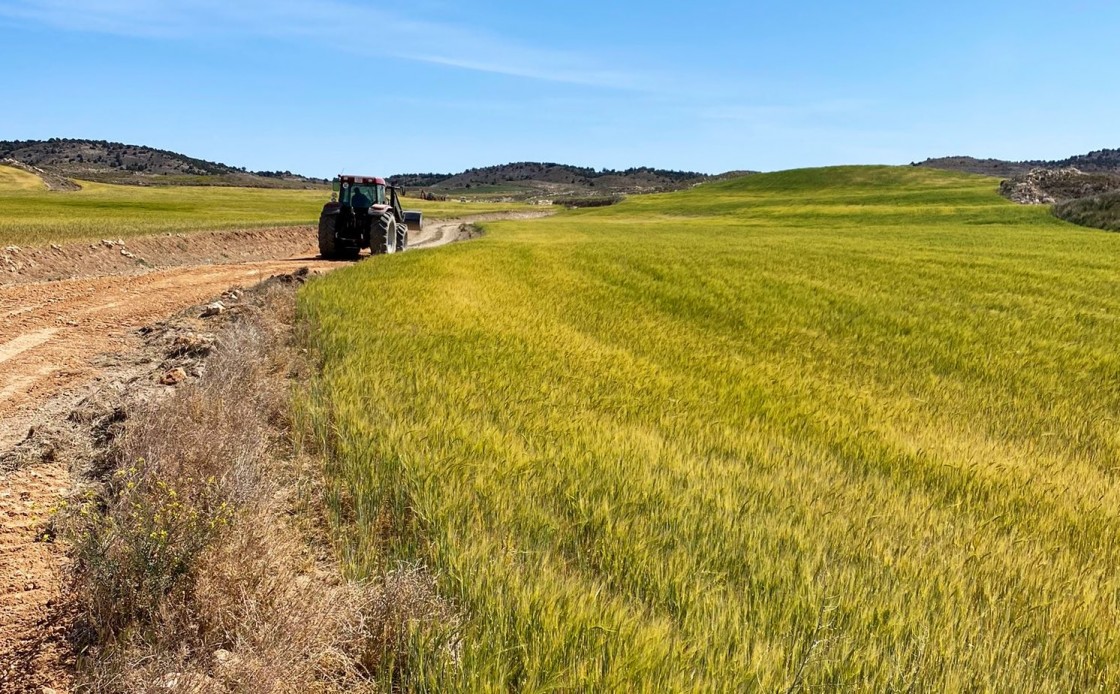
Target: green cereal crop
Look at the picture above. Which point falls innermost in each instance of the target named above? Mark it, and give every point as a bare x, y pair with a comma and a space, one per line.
822, 430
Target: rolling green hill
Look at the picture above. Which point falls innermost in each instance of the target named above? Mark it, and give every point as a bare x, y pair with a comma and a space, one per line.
845, 429
17, 180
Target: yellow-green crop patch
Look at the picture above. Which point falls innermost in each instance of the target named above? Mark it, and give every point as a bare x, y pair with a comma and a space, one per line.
31, 215
838, 429
453, 209
13, 179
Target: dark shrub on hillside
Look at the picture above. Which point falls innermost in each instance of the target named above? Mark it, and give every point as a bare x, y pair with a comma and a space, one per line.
588, 202
1099, 212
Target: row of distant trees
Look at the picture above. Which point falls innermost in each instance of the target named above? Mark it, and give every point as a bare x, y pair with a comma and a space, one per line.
271, 174
526, 171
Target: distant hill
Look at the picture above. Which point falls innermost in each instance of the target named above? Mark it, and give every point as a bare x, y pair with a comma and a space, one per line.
986, 167
1083, 189
114, 162
550, 181
1100, 161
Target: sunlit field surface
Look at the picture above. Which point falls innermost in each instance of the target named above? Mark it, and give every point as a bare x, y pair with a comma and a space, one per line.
32, 215
846, 428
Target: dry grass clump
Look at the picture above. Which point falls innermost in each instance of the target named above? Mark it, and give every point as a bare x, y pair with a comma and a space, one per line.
202, 562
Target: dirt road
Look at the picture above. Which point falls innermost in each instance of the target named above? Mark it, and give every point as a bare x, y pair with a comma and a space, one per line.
51, 336
49, 331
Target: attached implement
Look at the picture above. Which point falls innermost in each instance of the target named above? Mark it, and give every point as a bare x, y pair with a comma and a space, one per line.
364, 212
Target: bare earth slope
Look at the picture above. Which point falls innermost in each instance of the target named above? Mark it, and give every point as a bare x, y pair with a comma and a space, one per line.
140, 255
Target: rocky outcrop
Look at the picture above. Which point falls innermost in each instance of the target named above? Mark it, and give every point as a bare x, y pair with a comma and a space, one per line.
1050, 186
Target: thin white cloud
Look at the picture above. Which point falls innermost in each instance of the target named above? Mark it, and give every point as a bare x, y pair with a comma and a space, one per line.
829, 109
354, 28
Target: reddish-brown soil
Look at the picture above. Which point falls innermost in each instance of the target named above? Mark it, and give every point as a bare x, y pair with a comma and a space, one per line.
140, 255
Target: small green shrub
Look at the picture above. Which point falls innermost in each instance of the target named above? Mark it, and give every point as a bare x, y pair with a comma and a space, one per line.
141, 550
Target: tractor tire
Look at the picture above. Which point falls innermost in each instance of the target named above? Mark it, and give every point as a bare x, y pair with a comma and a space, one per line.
385, 238
328, 247
402, 238
377, 244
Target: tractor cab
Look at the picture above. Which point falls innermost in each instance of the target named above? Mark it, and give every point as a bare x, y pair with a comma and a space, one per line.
360, 192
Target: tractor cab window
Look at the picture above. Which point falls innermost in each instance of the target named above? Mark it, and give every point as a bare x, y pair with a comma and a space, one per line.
361, 195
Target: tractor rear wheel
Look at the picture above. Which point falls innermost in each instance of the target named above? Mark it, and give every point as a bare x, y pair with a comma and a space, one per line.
377, 241
328, 247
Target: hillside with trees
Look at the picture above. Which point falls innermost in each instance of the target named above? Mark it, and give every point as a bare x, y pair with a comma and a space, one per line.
115, 162
550, 180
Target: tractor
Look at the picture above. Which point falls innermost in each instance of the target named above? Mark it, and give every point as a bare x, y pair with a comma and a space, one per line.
364, 212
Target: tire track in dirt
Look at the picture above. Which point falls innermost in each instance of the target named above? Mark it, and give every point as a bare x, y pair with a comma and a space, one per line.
25, 342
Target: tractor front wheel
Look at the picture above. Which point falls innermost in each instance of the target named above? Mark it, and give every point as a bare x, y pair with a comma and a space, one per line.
385, 238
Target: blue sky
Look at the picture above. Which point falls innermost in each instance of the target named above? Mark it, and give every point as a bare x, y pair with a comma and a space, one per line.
434, 85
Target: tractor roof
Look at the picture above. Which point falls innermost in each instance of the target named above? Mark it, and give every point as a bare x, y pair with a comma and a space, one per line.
361, 179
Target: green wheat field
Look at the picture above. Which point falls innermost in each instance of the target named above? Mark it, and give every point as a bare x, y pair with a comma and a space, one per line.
30, 215
821, 430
